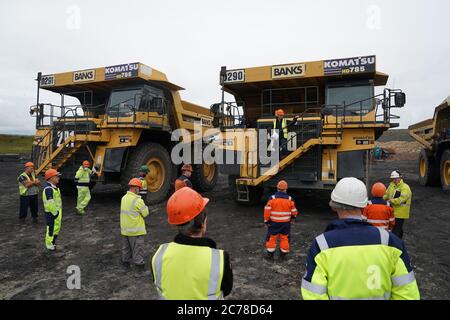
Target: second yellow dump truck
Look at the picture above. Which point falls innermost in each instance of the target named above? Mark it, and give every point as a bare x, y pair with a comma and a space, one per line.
340, 116
434, 135
123, 117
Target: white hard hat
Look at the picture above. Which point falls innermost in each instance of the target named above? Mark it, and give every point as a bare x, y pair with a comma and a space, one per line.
350, 191
395, 174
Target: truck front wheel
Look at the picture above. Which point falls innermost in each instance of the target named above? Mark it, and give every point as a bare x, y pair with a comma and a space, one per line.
445, 171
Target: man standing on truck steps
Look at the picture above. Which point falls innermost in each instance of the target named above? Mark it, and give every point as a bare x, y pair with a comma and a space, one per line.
183, 180
51, 197
190, 267
132, 225
143, 171
281, 125
83, 179
278, 213
28, 190
399, 196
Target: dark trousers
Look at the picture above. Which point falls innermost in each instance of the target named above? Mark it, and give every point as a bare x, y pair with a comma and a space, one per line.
32, 203
398, 228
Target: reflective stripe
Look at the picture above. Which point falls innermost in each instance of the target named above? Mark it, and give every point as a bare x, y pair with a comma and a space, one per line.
267, 208
377, 221
281, 213
132, 230
131, 213
403, 279
314, 288
158, 268
214, 276
279, 218
386, 296
384, 236
294, 210
322, 242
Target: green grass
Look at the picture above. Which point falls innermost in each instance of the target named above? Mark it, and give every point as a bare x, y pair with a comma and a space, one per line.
15, 144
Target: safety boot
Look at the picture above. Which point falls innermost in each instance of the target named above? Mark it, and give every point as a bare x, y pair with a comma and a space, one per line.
269, 256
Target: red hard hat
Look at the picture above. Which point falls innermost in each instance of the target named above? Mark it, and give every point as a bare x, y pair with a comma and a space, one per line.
184, 205
86, 163
50, 173
282, 185
29, 164
279, 112
135, 182
186, 167
378, 190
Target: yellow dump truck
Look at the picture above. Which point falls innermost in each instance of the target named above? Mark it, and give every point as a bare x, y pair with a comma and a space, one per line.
434, 135
123, 118
339, 117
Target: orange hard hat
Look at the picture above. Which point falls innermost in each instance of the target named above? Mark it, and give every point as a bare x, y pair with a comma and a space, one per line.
86, 163
186, 167
282, 185
29, 164
50, 173
279, 112
378, 190
135, 182
184, 205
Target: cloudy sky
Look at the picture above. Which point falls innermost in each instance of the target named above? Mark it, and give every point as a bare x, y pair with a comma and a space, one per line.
190, 40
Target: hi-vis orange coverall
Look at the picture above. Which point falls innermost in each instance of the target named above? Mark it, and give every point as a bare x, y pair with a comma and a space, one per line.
277, 215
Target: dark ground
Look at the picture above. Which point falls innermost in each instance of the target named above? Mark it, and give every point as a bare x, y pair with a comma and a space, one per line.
92, 242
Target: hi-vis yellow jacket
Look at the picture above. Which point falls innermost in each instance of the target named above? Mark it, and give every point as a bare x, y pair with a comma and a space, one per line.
353, 260
400, 197
132, 213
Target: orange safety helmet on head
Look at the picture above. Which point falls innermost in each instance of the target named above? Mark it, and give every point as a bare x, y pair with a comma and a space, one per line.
282, 185
50, 173
184, 205
378, 190
279, 112
86, 163
29, 164
186, 167
135, 182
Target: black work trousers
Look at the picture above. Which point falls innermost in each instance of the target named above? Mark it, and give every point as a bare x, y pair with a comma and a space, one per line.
28, 202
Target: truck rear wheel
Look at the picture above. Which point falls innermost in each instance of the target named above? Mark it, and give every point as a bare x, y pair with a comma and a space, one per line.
204, 177
161, 170
428, 169
445, 171
255, 193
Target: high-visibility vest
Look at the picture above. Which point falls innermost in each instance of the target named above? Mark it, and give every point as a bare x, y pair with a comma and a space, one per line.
143, 191
356, 261
83, 177
24, 191
280, 208
379, 214
132, 213
53, 206
283, 125
184, 272
402, 202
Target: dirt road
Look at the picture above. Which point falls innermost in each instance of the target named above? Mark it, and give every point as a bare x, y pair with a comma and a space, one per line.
92, 242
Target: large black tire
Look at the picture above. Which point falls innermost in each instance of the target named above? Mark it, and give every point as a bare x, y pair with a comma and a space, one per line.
162, 171
428, 170
204, 177
255, 193
445, 171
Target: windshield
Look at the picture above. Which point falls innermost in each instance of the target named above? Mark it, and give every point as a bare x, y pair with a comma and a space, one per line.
349, 95
122, 103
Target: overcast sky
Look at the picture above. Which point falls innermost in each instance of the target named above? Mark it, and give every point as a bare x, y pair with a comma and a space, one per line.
190, 40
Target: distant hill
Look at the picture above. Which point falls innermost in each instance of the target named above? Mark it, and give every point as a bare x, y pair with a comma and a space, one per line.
396, 135
15, 144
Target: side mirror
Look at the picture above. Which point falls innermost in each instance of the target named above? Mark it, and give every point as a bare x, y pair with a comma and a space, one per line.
399, 99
